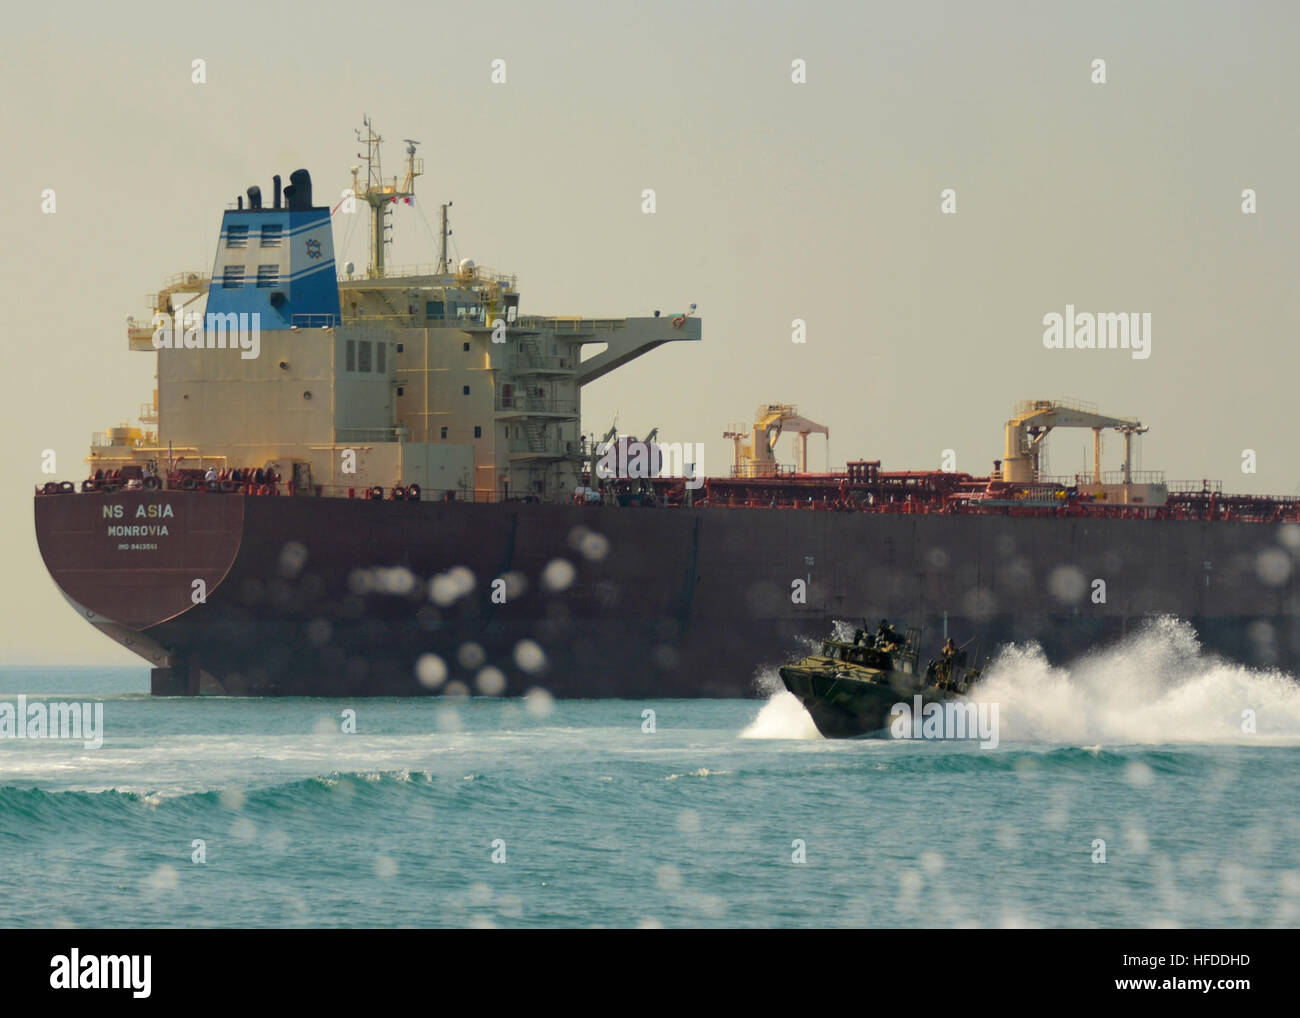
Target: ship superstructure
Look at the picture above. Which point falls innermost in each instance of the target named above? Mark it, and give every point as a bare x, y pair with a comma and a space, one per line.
426, 380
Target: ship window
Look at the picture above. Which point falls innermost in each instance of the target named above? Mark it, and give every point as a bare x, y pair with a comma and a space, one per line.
268, 275
478, 431
232, 277
401, 391
363, 356
466, 348
507, 431
433, 309
466, 389
400, 348
271, 234
381, 358
352, 355
237, 236
444, 432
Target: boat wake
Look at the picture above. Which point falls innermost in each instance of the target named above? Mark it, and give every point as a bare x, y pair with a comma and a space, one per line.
782, 717
1156, 687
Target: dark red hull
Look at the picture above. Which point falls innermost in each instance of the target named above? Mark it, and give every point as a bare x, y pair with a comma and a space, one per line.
684, 603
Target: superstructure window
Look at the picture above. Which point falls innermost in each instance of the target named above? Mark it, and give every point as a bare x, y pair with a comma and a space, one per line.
465, 348
352, 355
466, 389
271, 233
268, 275
363, 356
478, 431
433, 309
232, 277
381, 358
237, 236
443, 432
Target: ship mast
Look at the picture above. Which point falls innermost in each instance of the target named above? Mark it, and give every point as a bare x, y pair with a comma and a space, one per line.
442, 258
381, 195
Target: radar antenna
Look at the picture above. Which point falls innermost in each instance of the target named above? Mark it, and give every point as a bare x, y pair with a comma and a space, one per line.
381, 195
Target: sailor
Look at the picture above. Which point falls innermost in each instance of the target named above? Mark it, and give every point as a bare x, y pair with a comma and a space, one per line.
211, 475
886, 635
944, 671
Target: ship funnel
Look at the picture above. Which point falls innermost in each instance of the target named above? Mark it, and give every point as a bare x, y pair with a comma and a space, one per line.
276, 181
254, 197
298, 193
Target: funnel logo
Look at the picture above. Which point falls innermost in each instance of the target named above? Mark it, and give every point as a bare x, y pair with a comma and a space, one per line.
313, 248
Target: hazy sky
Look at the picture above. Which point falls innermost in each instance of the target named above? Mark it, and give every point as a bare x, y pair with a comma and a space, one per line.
775, 201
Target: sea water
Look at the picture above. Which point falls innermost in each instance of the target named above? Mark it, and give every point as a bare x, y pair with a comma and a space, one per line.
1146, 785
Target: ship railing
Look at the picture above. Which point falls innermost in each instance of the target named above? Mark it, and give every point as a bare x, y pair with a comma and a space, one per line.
1244, 509
753, 471
524, 405
534, 323
1107, 477
1058, 481
413, 319
1194, 487
177, 280
1136, 476
482, 276
524, 365
400, 433
418, 319
313, 321
1028, 406
571, 325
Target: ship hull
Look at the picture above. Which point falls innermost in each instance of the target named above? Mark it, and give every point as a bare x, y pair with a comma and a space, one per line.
331, 597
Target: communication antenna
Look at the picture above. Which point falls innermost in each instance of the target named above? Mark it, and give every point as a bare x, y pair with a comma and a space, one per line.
381, 195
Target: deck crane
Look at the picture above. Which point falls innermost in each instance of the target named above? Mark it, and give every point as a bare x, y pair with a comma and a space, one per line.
754, 456
1033, 420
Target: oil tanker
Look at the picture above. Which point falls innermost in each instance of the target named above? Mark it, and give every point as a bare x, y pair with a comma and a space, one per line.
352, 484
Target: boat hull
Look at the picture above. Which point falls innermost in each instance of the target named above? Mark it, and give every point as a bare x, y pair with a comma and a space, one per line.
844, 707
681, 602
